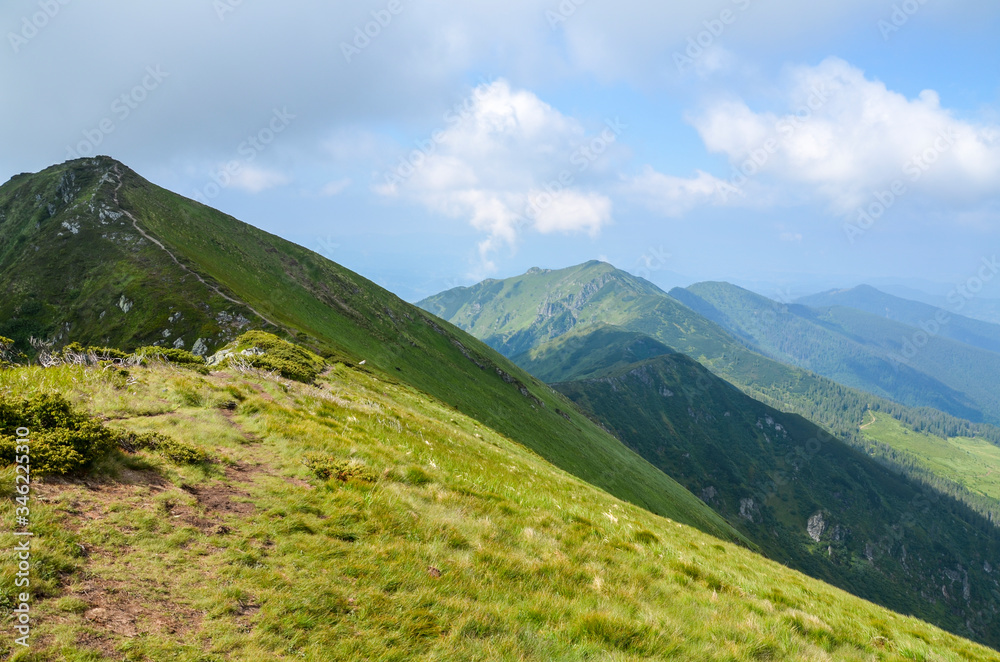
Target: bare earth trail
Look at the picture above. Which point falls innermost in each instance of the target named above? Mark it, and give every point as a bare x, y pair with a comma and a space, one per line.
135, 224
863, 426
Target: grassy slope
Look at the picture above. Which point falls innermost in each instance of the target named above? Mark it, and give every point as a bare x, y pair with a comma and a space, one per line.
70, 263
521, 313
467, 547
586, 351
970, 462
858, 349
319, 302
769, 473
337, 308
963, 329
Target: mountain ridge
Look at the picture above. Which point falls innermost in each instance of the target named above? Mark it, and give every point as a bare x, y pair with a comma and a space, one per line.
862, 350
939, 321
69, 211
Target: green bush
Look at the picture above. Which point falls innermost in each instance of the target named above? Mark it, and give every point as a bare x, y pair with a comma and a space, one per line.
107, 353
288, 360
328, 467
74, 352
62, 440
8, 355
180, 356
73, 348
178, 452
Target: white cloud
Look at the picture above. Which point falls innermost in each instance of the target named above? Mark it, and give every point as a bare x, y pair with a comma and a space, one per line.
570, 211
844, 136
254, 180
673, 196
507, 162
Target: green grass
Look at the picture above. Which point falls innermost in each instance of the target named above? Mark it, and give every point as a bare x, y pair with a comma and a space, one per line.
73, 295
465, 545
728, 448
970, 462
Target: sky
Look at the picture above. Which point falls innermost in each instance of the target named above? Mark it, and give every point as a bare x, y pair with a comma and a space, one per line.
785, 146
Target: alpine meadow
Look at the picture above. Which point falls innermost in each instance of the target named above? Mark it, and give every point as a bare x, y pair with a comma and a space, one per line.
541, 331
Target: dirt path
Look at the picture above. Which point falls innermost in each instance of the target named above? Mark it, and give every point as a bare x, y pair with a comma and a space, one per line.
864, 425
153, 240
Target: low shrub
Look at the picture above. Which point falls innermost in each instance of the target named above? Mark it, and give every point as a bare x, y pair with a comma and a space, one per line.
178, 452
170, 354
269, 352
327, 467
74, 352
62, 440
108, 353
8, 354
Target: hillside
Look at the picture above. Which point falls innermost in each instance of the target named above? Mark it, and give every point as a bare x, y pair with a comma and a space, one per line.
587, 350
913, 313
806, 498
185, 273
519, 314
453, 543
860, 349
967, 464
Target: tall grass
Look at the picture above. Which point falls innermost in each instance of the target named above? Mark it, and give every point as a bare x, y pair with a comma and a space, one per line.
457, 544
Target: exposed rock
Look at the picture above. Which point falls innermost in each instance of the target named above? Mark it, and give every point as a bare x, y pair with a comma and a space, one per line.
179, 343
815, 526
125, 304
748, 509
199, 348
708, 494
219, 357
65, 189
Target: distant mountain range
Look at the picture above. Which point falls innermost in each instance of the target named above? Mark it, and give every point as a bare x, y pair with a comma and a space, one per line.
944, 322
635, 359
649, 399
920, 365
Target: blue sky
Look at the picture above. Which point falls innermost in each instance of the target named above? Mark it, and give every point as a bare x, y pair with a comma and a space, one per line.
785, 146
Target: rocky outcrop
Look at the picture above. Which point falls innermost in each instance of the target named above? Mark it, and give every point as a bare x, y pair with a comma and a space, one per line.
816, 526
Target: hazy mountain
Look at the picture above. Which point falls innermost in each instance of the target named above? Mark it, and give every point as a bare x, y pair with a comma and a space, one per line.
518, 314
866, 351
938, 321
